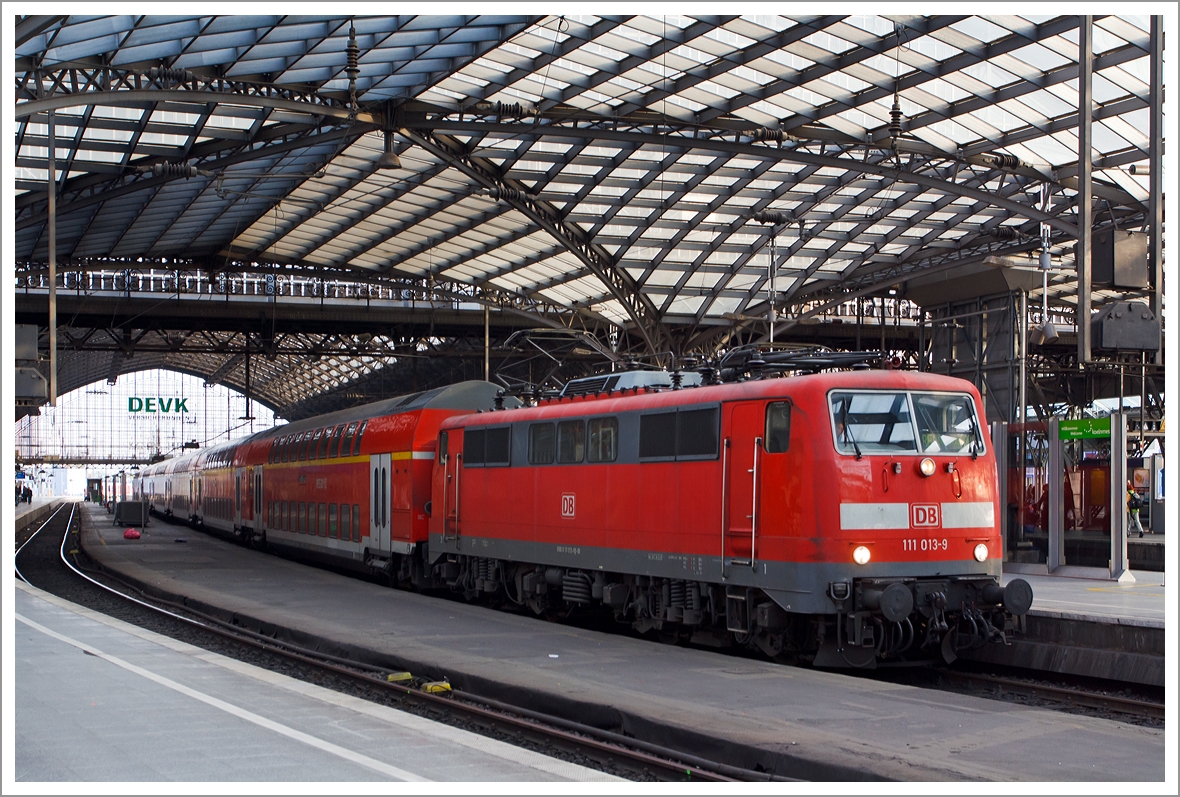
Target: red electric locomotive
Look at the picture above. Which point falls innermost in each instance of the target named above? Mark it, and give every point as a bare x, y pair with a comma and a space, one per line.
851, 515
847, 517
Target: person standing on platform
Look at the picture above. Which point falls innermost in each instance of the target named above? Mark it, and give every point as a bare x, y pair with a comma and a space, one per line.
1133, 505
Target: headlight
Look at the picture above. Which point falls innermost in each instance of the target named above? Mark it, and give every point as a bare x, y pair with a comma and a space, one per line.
861, 555
926, 466
980, 552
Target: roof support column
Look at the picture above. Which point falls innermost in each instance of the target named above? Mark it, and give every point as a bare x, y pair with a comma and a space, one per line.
1155, 171
1085, 187
51, 182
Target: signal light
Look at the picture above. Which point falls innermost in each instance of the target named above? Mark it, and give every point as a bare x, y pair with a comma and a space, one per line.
861, 555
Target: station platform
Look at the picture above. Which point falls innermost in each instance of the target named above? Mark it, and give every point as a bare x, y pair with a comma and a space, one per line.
100, 700
38, 510
747, 712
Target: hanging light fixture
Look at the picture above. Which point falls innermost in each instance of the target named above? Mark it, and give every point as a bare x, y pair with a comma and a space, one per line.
389, 158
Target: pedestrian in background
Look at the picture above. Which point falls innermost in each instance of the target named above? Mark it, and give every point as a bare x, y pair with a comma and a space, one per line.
1133, 505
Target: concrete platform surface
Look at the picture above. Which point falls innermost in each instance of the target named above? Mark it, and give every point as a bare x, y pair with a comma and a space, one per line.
100, 700
1140, 602
810, 724
26, 513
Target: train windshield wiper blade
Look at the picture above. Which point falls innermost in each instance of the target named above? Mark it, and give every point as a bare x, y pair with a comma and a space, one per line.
848, 435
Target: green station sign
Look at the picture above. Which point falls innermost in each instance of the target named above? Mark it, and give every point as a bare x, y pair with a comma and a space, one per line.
1084, 428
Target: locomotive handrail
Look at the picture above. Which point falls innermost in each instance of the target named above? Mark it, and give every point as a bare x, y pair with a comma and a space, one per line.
458, 467
724, 497
754, 505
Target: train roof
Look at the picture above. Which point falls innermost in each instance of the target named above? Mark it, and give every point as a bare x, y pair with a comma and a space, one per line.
731, 391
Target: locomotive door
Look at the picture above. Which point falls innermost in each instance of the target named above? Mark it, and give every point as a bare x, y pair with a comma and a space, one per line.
452, 463
743, 460
379, 484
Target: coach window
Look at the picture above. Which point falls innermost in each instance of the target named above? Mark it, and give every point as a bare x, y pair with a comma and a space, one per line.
604, 440
356, 522
332, 527
542, 444
288, 448
473, 447
344, 517
303, 446
323, 519
280, 449
571, 441
322, 436
334, 446
346, 443
778, 427
657, 435
314, 445
497, 446
302, 517
356, 442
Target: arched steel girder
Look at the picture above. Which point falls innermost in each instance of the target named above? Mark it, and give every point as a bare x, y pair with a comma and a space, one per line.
762, 151
639, 307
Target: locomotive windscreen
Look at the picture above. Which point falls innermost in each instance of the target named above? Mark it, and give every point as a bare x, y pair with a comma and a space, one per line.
898, 422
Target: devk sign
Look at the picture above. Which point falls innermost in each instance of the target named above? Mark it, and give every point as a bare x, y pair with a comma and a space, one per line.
156, 404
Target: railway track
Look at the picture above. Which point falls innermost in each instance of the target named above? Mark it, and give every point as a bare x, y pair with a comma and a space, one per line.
1082, 698
68, 575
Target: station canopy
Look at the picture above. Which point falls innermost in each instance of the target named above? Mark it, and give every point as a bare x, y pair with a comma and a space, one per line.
636, 170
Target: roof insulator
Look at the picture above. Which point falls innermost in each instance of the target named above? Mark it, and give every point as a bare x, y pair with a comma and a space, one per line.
507, 193
772, 217
352, 69
174, 170
895, 118
169, 75
507, 109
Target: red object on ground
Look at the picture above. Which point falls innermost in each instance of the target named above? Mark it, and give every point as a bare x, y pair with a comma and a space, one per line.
131, 534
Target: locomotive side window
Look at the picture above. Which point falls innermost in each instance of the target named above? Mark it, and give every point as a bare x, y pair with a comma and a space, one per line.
334, 446
497, 446
947, 425
442, 442
604, 440
657, 435
778, 427
473, 445
542, 444
571, 441
356, 442
696, 433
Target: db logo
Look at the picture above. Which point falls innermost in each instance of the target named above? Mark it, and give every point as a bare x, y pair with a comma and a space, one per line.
923, 516
567, 504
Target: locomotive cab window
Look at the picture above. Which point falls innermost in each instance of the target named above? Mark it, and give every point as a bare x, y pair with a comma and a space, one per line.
778, 427
571, 441
442, 446
542, 444
947, 424
604, 440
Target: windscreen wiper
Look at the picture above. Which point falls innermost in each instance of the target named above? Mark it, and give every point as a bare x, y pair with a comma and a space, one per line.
848, 435
976, 438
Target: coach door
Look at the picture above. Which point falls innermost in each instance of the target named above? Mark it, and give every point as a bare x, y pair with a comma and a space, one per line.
379, 484
259, 515
238, 497
742, 456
